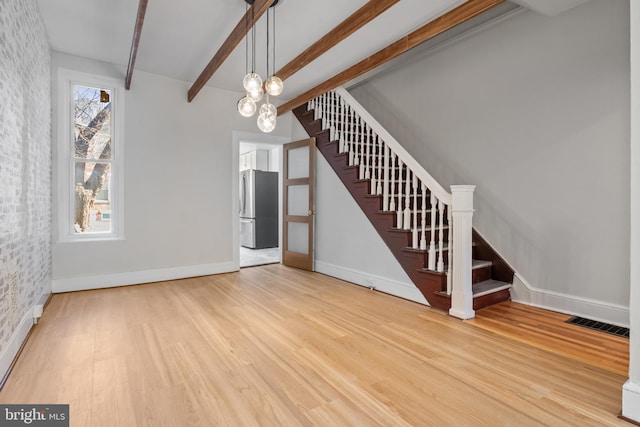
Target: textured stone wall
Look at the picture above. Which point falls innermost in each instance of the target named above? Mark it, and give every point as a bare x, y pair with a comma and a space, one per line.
25, 163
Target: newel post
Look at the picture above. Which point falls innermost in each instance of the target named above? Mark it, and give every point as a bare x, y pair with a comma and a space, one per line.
462, 213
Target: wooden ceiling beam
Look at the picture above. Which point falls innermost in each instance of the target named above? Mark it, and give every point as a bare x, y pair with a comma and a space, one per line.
462, 13
137, 32
247, 22
357, 20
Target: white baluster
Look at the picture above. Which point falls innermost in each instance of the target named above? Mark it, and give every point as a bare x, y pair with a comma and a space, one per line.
392, 199
407, 200
385, 186
423, 222
361, 133
415, 212
450, 263
348, 144
399, 221
440, 266
380, 148
354, 137
321, 111
312, 106
330, 115
375, 177
367, 156
343, 123
432, 244
352, 133
334, 115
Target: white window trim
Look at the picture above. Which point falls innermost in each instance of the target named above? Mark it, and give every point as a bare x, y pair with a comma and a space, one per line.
65, 132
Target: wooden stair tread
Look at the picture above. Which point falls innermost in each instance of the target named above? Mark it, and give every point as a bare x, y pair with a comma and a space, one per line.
489, 286
480, 263
475, 264
483, 288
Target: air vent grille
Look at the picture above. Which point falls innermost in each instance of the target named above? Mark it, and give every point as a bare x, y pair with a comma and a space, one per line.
600, 326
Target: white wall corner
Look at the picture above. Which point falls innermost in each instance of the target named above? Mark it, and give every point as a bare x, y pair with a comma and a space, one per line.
15, 342
71, 284
389, 286
631, 401
524, 293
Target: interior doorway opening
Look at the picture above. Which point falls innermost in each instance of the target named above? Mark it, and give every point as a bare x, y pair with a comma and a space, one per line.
259, 202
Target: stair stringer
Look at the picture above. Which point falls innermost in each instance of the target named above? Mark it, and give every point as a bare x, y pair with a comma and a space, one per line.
432, 284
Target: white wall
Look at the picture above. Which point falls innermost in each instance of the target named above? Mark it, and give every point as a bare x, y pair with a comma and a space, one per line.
180, 185
25, 173
631, 390
347, 246
535, 112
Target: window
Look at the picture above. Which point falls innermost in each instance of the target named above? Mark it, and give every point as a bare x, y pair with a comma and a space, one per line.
90, 167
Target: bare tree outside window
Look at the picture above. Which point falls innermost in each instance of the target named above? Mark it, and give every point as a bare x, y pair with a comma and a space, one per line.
92, 160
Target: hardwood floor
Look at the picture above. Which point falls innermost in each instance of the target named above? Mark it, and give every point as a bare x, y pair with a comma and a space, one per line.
275, 346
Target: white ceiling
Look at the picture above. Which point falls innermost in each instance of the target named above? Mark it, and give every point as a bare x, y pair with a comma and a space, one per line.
179, 38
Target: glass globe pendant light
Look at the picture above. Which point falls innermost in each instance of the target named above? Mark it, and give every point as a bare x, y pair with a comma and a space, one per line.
256, 95
267, 116
266, 122
274, 85
252, 82
268, 108
246, 106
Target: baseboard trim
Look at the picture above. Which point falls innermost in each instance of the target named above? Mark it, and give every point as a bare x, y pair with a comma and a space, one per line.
15, 345
382, 284
524, 293
631, 401
113, 280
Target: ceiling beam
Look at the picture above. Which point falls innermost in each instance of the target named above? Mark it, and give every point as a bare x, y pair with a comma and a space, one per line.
462, 13
239, 32
357, 20
137, 32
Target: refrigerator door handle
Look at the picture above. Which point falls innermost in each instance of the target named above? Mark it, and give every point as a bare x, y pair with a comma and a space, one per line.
243, 200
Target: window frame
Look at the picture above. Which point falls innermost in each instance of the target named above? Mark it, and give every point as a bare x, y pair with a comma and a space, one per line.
66, 160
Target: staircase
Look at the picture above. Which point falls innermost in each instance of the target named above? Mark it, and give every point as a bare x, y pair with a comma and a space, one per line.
427, 229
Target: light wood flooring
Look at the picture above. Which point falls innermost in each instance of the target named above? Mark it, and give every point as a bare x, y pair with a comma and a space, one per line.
274, 346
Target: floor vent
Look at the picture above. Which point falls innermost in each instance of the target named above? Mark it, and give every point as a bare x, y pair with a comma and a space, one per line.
600, 326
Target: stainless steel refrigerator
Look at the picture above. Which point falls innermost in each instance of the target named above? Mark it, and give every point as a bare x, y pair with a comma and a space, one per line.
258, 209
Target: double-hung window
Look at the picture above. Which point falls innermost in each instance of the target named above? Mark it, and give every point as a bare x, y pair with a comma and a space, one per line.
90, 166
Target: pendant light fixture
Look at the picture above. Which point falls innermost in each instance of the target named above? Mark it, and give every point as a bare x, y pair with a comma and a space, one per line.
253, 83
274, 85
268, 111
247, 104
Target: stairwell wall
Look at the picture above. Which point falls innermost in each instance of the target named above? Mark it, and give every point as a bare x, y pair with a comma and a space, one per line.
535, 112
347, 246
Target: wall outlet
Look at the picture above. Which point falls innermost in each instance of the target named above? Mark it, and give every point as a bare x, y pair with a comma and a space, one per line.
37, 312
369, 282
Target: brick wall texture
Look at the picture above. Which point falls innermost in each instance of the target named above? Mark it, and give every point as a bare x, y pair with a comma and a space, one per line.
25, 163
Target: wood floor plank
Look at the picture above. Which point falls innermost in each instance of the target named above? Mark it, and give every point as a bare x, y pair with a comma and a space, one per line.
278, 346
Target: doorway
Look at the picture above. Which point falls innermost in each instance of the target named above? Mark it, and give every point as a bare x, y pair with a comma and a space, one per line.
259, 191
